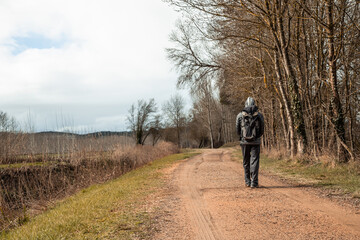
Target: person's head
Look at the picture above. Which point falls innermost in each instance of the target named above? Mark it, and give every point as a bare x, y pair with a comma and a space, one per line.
249, 102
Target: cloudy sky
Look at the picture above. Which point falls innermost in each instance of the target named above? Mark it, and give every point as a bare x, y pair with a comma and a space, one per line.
82, 63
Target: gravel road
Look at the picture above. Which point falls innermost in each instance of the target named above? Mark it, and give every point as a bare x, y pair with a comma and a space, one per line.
206, 199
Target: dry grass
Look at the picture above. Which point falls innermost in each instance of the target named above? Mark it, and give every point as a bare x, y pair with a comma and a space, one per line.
33, 147
276, 153
323, 171
140, 155
117, 209
36, 185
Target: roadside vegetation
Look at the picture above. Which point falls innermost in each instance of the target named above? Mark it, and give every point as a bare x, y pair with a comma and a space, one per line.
343, 178
113, 210
29, 187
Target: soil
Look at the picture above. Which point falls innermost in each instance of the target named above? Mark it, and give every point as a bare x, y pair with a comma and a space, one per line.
206, 198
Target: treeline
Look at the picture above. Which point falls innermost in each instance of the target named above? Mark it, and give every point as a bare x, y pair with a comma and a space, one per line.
299, 59
206, 124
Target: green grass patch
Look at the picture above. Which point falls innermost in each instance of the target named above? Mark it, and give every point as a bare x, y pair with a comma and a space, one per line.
343, 177
113, 210
20, 165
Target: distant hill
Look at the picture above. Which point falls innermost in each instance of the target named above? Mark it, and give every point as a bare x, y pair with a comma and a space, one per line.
94, 134
106, 133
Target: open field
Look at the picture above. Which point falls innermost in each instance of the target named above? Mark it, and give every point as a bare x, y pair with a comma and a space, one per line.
113, 210
27, 188
47, 146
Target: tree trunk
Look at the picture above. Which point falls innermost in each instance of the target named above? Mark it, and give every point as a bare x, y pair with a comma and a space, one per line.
286, 132
297, 110
273, 126
338, 116
210, 123
289, 117
178, 135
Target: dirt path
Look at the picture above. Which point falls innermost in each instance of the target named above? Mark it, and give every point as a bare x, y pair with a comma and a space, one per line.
206, 199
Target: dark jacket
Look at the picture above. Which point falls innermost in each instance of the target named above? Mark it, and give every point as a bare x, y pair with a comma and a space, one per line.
249, 109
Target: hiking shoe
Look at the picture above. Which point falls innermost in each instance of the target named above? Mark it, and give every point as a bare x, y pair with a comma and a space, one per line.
247, 185
254, 186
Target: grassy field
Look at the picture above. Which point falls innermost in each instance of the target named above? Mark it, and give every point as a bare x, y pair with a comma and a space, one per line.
114, 210
342, 177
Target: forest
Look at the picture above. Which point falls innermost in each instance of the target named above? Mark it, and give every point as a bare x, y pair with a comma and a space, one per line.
298, 59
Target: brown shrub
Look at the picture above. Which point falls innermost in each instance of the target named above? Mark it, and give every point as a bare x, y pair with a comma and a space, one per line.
328, 159
276, 153
141, 155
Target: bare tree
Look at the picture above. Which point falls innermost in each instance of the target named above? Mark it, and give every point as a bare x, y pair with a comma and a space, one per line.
299, 59
191, 55
7, 123
140, 119
174, 111
206, 108
156, 128
11, 139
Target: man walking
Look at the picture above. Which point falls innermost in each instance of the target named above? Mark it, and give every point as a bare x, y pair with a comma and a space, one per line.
250, 128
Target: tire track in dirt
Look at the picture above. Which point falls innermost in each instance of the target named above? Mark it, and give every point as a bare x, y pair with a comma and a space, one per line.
207, 199
199, 214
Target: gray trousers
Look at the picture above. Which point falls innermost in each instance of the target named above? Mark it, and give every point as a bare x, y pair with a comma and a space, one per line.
251, 161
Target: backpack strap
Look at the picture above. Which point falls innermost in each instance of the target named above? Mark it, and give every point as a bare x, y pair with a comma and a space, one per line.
246, 114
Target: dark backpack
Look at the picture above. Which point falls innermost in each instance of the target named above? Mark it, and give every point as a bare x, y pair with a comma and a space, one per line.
250, 126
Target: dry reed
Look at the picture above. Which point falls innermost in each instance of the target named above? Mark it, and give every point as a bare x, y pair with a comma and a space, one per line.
26, 186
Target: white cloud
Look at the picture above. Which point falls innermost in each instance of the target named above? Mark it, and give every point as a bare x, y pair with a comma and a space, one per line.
107, 52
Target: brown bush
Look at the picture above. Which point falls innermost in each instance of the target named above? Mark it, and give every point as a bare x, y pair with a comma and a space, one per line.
141, 155
276, 153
